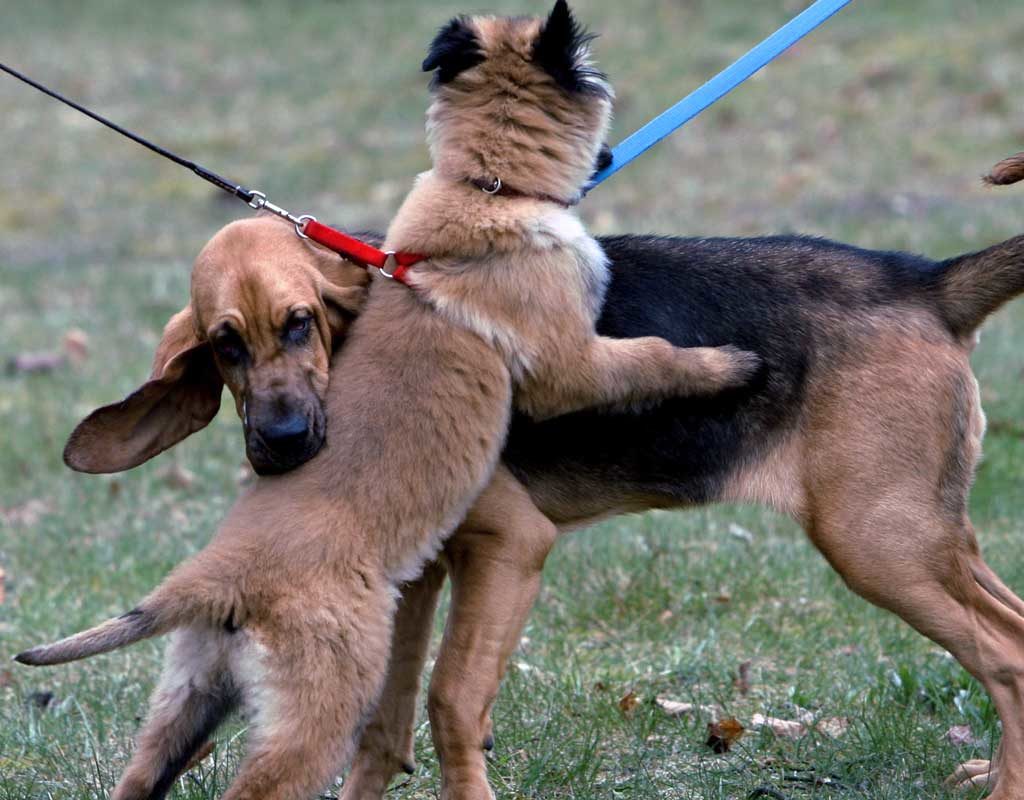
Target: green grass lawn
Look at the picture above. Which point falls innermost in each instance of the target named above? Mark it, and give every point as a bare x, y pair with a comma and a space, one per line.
873, 131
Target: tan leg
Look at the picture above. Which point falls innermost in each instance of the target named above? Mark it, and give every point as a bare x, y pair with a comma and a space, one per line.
194, 695
632, 373
386, 745
495, 563
311, 681
910, 560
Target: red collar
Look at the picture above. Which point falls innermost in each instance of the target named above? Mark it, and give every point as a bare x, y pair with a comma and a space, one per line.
391, 264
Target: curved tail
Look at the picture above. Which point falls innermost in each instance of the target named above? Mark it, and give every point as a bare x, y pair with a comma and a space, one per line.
974, 285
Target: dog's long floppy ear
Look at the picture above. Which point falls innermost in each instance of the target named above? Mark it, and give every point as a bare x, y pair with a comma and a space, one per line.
341, 305
563, 50
454, 50
181, 396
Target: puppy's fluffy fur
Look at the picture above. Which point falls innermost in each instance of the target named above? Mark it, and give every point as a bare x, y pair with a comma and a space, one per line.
518, 106
289, 609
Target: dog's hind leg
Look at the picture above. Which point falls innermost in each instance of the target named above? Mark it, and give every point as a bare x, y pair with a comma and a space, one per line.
890, 462
195, 693
310, 677
386, 745
495, 561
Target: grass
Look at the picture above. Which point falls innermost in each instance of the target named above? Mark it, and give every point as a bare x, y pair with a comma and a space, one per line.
873, 131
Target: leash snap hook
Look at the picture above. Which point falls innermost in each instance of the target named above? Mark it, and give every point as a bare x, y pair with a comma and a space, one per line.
257, 200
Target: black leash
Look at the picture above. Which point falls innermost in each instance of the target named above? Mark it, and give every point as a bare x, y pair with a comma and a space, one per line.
248, 195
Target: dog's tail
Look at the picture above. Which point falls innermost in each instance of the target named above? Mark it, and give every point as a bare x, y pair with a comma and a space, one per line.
139, 623
178, 601
974, 285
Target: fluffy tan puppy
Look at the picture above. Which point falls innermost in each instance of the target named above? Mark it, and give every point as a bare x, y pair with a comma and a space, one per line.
516, 127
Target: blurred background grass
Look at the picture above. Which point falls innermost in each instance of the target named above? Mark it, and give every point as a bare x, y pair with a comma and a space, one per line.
873, 131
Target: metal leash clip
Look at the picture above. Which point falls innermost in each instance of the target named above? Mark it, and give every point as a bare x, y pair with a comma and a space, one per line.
258, 200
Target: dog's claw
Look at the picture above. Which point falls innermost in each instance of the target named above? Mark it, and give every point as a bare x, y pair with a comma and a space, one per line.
488, 743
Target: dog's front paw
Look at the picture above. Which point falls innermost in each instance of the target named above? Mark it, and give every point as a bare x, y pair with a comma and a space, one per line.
728, 367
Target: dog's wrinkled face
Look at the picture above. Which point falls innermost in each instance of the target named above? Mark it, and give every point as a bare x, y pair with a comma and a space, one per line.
516, 98
261, 300
267, 310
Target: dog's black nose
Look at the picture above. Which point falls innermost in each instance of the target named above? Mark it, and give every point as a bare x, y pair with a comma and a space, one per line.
286, 434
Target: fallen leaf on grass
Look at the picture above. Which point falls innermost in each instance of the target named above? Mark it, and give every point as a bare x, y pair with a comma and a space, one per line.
961, 735
628, 702
27, 514
76, 345
665, 616
794, 729
742, 680
177, 477
674, 708
833, 726
723, 734
35, 363
787, 728
74, 350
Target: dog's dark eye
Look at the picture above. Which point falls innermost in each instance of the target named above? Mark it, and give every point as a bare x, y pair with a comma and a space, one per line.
296, 330
229, 348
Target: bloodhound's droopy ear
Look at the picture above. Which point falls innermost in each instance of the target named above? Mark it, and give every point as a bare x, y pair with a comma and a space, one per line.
181, 396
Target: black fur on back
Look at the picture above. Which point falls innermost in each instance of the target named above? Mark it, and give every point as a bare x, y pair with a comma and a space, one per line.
771, 295
454, 50
561, 50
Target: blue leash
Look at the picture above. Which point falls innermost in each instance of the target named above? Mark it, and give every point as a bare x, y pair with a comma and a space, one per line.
719, 86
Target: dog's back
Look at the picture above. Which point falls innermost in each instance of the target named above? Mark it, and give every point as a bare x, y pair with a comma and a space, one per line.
805, 305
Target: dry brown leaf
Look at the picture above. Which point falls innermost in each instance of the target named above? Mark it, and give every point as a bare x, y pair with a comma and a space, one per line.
723, 597
787, 728
960, 735
723, 734
177, 477
742, 680
674, 708
665, 616
628, 702
35, 363
76, 345
833, 726
27, 514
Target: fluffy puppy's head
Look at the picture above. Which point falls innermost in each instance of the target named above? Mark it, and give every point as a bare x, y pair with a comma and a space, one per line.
516, 99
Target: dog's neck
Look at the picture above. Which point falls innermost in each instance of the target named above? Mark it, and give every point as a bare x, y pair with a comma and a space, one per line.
452, 218
497, 187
